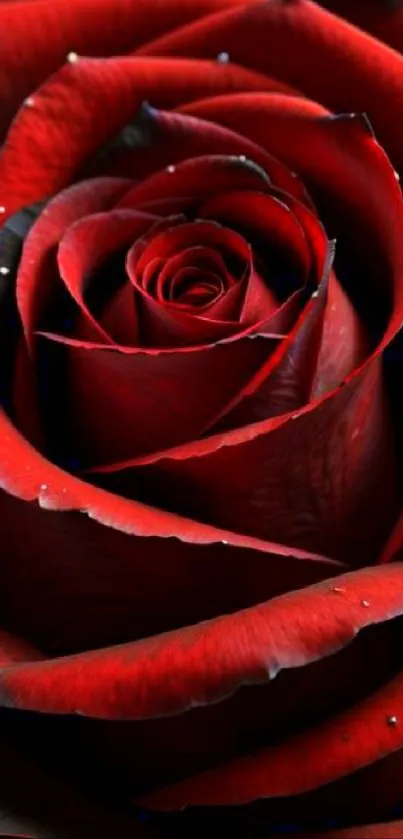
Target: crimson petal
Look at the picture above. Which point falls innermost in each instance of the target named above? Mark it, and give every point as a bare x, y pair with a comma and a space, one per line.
37, 278
83, 249
108, 28
369, 74
83, 106
146, 409
166, 138
210, 661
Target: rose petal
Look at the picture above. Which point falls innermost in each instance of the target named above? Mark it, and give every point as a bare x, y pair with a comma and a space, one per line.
337, 158
107, 28
85, 247
384, 20
387, 830
37, 278
269, 222
369, 74
165, 138
83, 106
304, 762
210, 661
328, 503
164, 325
154, 399
197, 179
373, 197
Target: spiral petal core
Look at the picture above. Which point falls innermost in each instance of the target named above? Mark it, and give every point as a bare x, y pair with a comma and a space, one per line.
198, 469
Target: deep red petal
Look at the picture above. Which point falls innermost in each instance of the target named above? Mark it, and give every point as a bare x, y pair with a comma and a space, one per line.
304, 762
387, 830
85, 105
123, 405
329, 500
384, 20
102, 28
83, 249
171, 137
210, 661
342, 165
37, 274
369, 74
343, 344
256, 214
198, 179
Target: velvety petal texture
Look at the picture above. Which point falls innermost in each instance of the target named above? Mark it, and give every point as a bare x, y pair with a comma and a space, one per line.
201, 305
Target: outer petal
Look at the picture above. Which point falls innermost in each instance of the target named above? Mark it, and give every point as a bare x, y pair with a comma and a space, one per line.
85, 104
387, 830
212, 660
88, 27
303, 762
208, 662
369, 74
384, 20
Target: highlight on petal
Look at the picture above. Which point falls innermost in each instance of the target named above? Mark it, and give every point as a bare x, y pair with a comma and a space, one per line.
208, 662
369, 74
101, 29
345, 743
85, 104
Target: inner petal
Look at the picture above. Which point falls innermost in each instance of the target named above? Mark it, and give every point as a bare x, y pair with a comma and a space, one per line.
192, 261
195, 287
205, 235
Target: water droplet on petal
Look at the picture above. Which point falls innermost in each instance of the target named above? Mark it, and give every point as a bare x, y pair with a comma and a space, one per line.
72, 57
171, 169
2, 209
242, 158
44, 486
224, 542
338, 590
397, 176
365, 603
4, 271
392, 720
315, 294
29, 102
223, 57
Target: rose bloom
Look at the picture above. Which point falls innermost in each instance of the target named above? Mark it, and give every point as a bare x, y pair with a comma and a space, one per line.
201, 276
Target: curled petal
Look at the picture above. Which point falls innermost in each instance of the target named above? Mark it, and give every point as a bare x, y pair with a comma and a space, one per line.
369, 74
85, 104
208, 662
156, 398
108, 28
37, 275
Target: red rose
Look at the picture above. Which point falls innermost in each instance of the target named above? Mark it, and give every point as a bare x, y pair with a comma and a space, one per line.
199, 448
